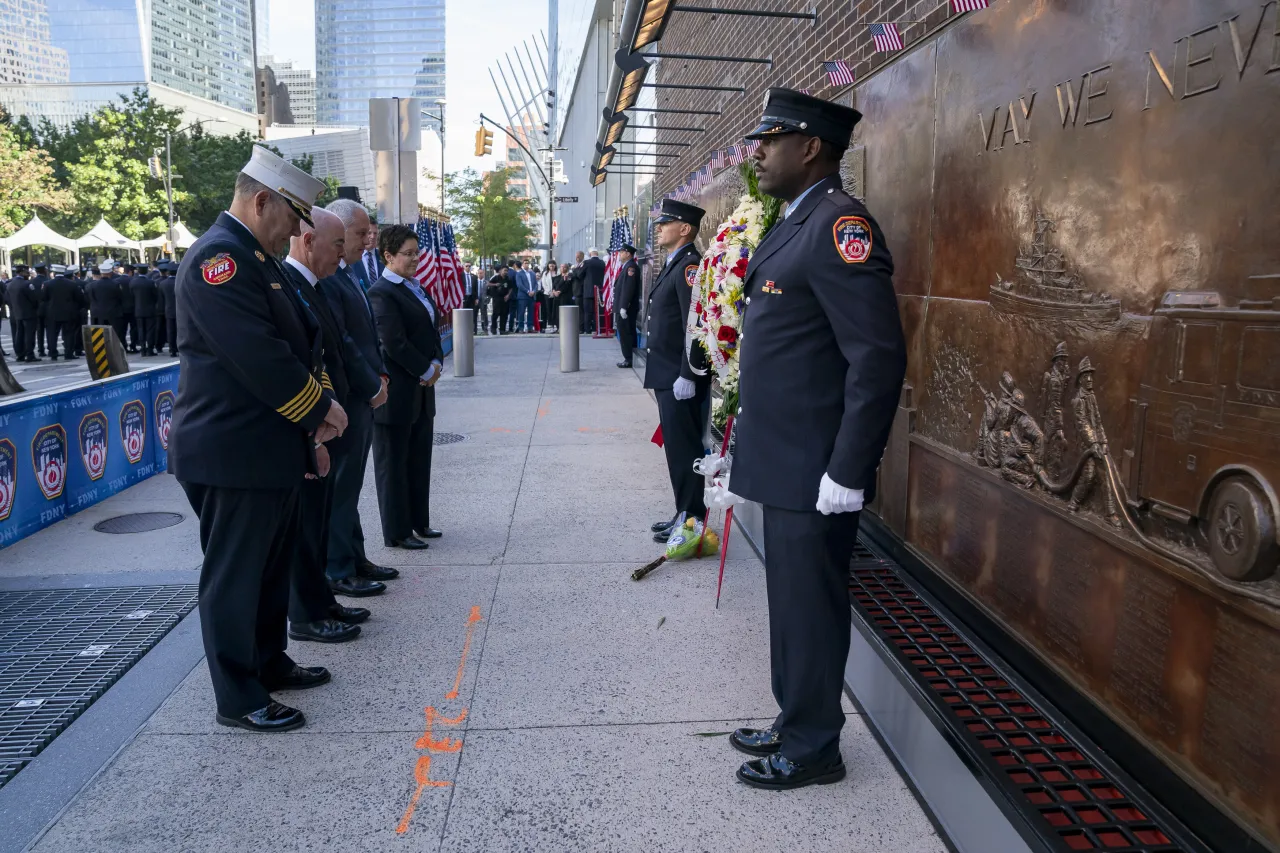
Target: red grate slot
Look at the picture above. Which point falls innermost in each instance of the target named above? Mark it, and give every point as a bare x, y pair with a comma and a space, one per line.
1073, 802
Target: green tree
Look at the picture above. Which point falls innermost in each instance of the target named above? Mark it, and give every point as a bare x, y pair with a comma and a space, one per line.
27, 181
489, 221
208, 165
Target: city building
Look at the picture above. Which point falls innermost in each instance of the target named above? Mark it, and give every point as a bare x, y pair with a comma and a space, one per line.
298, 92
65, 58
377, 49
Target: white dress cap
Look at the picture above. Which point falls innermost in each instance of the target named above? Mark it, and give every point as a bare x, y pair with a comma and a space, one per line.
292, 184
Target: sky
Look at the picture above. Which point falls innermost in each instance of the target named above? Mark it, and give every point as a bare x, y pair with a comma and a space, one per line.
478, 31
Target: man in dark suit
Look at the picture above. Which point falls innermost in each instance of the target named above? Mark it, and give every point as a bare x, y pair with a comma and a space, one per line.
145, 295
471, 296
24, 302
104, 297
61, 300
127, 326
626, 301
497, 292
314, 614
42, 312
403, 428
511, 296
681, 391
167, 308
592, 280
349, 569
819, 384
248, 426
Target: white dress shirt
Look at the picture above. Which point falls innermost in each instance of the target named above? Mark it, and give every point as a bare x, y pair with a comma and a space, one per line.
416, 289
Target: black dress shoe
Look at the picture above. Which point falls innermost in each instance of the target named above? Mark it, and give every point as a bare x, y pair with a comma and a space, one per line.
411, 543
356, 587
273, 718
374, 572
662, 526
298, 678
624, 364
428, 533
776, 773
756, 741
323, 631
349, 615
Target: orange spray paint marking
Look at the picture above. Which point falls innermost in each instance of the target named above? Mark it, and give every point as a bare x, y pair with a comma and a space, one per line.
421, 772
443, 745
545, 409
466, 648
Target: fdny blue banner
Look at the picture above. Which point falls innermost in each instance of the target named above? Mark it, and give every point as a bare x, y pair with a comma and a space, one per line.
62, 452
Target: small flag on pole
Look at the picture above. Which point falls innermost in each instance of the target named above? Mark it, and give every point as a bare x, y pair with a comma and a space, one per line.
886, 37
717, 161
959, 6
838, 73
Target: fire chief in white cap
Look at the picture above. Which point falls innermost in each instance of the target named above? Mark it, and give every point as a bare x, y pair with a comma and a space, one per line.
252, 414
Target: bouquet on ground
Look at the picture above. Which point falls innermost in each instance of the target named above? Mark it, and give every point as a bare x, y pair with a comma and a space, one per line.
715, 309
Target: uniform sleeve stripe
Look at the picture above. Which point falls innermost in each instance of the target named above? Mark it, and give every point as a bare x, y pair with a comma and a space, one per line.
302, 403
325, 381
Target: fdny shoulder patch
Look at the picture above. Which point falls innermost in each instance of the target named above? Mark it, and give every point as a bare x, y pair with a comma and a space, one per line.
691, 275
852, 235
219, 269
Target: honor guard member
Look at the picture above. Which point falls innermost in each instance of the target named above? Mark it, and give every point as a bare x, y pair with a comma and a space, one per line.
822, 361
250, 411
61, 300
167, 308
681, 390
145, 293
23, 298
42, 313
627, 302
104, 298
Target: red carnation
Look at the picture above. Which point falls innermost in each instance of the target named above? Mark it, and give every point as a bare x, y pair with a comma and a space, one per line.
740, 268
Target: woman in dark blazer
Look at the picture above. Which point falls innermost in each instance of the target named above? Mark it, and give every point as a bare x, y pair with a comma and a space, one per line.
403, 428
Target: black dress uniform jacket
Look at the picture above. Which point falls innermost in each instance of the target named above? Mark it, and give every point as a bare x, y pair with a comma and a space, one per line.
668, 316
627, 287
334, 378
804, 413
167, 304
410, 343
62, 300
23, 298
248, 393
145, 295
105, 299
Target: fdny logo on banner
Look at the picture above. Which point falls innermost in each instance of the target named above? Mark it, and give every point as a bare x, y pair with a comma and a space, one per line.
8, 476
164, 416
219, 269
93, 444
133, 430
49, 457
853, 239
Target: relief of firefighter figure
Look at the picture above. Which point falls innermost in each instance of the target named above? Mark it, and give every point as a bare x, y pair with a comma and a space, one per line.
1011, 442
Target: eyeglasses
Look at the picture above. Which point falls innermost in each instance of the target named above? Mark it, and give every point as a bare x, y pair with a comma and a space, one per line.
407, 253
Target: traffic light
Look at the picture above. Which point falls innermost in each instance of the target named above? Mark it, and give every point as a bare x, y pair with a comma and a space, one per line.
484, 141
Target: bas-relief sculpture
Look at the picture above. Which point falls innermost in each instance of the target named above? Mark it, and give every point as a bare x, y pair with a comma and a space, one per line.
1080, 201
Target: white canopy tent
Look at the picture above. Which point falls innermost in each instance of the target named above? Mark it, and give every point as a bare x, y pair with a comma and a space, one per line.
103, 235
36, 233
183, 238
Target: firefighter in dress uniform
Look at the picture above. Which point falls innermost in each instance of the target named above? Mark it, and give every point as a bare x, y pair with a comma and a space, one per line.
249, 425
627, 302
822, 361
681, 390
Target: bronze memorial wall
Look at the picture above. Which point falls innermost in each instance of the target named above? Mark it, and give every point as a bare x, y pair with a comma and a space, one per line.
1081, 201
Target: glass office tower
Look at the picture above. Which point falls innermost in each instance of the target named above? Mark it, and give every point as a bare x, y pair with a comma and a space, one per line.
65, 58
377, 49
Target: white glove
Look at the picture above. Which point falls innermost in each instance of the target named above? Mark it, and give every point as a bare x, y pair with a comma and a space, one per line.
622, 312
684, 389
834, 498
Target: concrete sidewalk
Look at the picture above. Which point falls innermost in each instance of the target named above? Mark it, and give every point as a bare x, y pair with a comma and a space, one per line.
514, 680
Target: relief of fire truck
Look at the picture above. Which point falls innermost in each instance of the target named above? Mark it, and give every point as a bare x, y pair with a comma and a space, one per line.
1205, 450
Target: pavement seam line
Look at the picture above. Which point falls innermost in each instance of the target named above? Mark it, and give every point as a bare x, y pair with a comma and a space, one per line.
484, 639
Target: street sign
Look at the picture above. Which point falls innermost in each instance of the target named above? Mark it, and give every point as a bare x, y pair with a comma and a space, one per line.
566, 199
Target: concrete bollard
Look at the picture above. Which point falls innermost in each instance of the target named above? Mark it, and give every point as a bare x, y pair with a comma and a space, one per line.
464, 342
569, 338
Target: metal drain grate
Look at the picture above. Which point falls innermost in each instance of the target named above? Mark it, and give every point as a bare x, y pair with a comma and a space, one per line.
138, 522
61, 649
447, 438
1071, 800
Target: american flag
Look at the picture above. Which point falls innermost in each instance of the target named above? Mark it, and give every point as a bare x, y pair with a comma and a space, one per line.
428, 273
456, 275
619, 234
886, 37
838, 72
718, 161
805, 92
750, 147
734, 154
959, 6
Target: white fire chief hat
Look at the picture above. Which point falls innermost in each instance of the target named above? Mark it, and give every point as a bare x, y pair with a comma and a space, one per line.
286, 180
